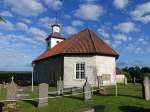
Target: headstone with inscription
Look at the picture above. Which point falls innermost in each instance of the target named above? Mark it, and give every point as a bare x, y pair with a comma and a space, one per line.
146, 84
60, 87
10, 105
87, 91
43, 95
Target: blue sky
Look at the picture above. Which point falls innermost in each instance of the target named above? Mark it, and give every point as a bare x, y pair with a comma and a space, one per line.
123, 24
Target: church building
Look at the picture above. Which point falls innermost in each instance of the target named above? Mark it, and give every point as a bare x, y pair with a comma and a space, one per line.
83, 55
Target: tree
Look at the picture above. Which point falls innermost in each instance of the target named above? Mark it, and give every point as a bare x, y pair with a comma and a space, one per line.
1, 19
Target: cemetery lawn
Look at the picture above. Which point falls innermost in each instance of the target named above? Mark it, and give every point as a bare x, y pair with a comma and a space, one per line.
129, 99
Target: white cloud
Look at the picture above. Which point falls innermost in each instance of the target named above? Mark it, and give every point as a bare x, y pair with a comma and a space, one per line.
6, 25
69, 30
25, 7
107, 41
67, 16
25, 39
54, 4
6, 14
134, 49
120, 37
46, 22
126, 27
120, 4
28, 21
142, 40
37, 32
22, 26
142, 13
89, 11
103, 33
77, 23
116, 43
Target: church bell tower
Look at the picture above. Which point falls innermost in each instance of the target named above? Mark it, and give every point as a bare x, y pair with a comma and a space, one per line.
55, 37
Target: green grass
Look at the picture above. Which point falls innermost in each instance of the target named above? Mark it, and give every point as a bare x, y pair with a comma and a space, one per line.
129, 99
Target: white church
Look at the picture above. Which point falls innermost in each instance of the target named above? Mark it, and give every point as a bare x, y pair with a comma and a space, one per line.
83, 55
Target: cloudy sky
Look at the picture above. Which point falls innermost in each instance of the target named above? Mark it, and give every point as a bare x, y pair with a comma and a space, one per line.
123, 24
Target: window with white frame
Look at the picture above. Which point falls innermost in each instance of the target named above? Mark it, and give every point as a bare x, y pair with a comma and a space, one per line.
80, 70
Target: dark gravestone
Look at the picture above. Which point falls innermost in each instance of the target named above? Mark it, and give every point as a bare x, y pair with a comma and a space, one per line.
87, 91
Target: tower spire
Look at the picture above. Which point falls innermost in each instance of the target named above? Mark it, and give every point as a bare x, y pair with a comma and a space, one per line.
56, 17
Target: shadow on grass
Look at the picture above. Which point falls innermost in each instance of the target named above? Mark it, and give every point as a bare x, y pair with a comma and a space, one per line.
99, 108
75, 97
34, 103
133, 109
131, 96
54, 95
1, 106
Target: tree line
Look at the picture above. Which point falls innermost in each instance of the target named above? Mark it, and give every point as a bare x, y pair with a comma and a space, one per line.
136, 72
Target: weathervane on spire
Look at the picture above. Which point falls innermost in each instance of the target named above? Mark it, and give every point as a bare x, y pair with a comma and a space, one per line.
56, 18
56, 26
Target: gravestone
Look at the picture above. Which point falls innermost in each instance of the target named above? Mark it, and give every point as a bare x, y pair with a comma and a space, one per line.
10, 105
60, 87
20, 93
101, 90
100, 81
134, 80
43, 95
125, 80
87, 91
146, 84
4, 85
11, 90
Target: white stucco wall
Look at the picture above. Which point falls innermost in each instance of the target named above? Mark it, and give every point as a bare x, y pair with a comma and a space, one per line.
120, 78
94, 65
54, 41
106, 65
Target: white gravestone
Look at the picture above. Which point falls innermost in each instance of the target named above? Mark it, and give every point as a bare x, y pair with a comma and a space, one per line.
60, 87
87, 91
11, 90
43, 95
11, 105
125, 80
146, 88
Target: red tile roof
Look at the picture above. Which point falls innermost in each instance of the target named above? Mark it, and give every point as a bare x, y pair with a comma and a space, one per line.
85, 42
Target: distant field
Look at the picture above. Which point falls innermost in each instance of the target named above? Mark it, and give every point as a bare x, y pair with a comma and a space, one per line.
129, 99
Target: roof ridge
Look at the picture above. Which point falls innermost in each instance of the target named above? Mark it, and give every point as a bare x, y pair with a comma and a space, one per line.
92, 39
